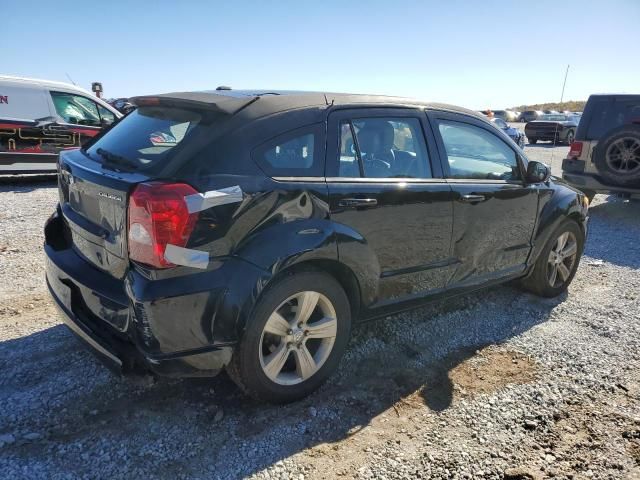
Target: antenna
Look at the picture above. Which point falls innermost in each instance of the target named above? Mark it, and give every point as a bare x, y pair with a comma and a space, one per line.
555, 135
566, 74
70, 79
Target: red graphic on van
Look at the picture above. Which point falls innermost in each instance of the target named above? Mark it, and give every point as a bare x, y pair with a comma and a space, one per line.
32, 137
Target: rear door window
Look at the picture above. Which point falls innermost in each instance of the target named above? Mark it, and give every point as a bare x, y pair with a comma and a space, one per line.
381, 147
298, 153
147, 137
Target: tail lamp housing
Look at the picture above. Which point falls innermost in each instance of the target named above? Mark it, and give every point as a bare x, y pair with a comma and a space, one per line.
575, 150
159, 216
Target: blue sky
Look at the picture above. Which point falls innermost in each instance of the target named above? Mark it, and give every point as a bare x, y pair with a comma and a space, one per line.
473, 53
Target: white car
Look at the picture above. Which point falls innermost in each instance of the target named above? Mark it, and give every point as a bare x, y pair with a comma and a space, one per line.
38, 118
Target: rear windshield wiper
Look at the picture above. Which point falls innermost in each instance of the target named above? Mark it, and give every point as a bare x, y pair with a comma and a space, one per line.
115, 159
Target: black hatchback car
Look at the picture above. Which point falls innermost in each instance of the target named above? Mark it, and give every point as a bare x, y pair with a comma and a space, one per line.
247, 231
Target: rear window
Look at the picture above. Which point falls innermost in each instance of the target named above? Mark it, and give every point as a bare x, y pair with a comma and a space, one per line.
147, 138
607, 114
554, 118
298, 153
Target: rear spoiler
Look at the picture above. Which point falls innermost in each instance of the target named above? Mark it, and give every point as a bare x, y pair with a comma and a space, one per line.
203, 101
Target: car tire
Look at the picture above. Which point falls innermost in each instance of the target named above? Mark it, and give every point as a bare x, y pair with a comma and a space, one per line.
571, 135
542, 281
533, 141
590, 194
275, 366
617, 157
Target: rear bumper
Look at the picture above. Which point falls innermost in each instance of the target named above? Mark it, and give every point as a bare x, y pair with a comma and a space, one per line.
101, 348
586, 181
547, 135
170, 335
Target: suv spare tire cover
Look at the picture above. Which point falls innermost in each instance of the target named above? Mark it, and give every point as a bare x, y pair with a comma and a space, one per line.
600, 157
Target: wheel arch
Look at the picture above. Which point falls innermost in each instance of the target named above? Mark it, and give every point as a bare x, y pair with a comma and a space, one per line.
242, 306
340, 272
562, 204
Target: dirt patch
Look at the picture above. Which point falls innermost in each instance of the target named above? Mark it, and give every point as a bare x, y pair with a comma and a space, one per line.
492, 370
419, 395
22, 315
24, 304
468, 373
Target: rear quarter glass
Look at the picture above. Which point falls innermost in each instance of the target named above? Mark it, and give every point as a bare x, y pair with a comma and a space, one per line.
151, 137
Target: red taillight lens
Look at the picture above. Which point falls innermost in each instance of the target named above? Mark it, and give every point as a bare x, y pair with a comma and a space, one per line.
575, 150
158, 215
147, 101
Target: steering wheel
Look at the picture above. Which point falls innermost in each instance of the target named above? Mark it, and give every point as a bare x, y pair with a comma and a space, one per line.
376, 166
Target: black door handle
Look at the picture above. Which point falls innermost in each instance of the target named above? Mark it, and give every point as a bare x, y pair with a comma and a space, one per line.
357, 202
472, 198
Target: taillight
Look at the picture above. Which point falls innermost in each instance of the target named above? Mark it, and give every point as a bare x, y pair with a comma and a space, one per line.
146, 101
575, 150
158, 216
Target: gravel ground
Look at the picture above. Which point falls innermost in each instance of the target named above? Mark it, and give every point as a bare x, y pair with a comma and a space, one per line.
499, 384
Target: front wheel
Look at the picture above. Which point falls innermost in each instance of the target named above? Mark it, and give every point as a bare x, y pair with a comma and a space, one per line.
558, 262
294, 340
533, 141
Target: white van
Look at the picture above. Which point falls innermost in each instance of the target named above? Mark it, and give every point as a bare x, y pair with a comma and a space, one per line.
38, 118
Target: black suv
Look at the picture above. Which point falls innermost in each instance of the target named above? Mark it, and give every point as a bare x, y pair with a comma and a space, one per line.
248, 230
605, 156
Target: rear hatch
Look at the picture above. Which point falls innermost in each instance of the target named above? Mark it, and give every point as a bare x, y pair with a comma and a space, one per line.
148, 144
94, 205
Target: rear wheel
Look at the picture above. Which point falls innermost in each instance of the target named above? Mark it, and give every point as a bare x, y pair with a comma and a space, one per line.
618, 157
557, 264
295, 339
570, 137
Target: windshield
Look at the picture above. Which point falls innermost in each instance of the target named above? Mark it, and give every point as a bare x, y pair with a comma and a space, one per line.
145, 138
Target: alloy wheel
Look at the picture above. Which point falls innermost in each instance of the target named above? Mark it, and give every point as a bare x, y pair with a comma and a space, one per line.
623, 156
570, 137
298, 338
562, 259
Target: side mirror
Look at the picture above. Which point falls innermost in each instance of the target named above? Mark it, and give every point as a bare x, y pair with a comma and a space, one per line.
537, 172
105, 122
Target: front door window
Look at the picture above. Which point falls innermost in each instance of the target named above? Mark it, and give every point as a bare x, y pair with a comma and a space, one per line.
106, 116
474, 153
76, 109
